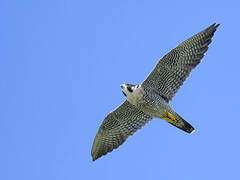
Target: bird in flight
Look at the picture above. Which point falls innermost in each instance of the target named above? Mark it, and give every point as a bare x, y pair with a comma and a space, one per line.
150, 99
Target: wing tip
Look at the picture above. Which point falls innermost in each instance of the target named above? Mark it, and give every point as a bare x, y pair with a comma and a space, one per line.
215, 24
213, 27
96, 155
94, 158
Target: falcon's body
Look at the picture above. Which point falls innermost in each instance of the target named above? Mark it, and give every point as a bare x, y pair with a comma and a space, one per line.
150, 99
150, 102
146, 100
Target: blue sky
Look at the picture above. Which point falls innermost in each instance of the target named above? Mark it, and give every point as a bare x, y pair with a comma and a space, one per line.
62, 63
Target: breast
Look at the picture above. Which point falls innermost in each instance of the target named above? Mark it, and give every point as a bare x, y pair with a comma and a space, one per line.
151, 103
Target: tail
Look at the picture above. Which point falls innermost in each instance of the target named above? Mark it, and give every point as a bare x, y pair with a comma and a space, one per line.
176, 120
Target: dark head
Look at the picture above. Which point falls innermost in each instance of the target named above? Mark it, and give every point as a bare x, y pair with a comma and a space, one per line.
128, 89
132, 92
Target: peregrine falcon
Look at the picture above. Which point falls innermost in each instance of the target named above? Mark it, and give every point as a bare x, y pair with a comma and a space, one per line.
150, 99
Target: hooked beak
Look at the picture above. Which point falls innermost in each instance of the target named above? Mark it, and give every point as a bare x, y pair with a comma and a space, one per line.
122, 86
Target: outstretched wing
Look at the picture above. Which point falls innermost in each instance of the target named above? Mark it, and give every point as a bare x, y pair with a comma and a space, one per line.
116, 127
173, 69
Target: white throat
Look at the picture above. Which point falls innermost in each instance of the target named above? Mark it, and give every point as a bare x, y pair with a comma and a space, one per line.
134, 96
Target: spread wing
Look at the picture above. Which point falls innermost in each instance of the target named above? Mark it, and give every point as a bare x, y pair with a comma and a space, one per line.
173, 69
116, 127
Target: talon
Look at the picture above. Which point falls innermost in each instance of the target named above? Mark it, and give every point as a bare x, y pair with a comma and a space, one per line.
170, 118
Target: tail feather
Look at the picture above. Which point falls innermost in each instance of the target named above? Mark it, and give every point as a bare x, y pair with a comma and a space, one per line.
179, 122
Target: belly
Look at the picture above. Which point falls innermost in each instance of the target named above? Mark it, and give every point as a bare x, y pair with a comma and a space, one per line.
154, 110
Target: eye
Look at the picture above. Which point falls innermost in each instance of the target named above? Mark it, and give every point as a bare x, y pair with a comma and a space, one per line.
129, 89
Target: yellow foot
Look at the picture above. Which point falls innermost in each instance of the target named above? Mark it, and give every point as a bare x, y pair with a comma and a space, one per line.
170, 118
